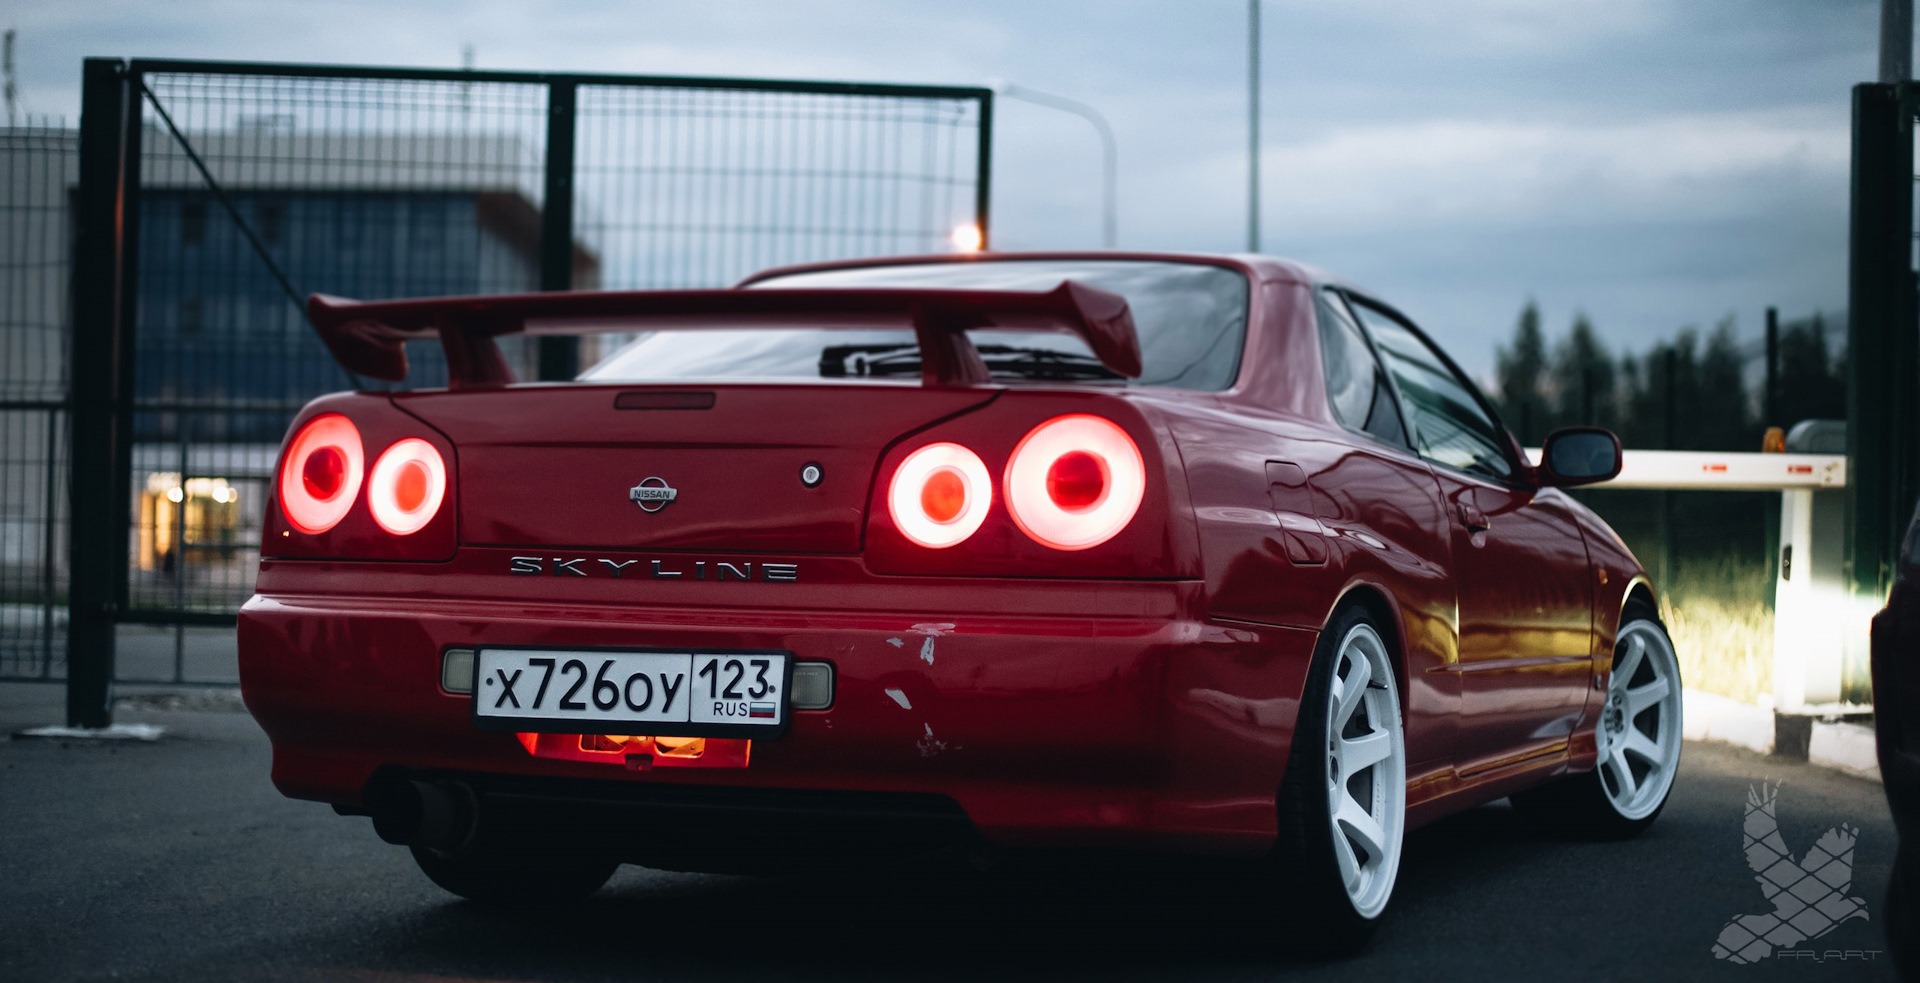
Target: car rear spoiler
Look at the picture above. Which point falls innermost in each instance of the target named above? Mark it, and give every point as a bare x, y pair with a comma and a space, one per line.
368, 338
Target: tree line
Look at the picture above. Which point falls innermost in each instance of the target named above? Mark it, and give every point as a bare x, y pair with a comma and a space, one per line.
1689, 392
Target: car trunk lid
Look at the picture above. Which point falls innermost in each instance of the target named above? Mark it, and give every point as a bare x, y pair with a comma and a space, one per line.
675, 467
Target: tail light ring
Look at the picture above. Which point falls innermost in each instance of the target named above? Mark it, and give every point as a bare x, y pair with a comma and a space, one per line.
1036, 482
307, 503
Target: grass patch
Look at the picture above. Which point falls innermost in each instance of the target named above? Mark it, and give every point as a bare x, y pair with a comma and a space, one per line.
1720, 614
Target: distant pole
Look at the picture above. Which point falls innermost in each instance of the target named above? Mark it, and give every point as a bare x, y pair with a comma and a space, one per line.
1770, 397
466, 88
1253, 125
6, 64
1109, 149
1896, 41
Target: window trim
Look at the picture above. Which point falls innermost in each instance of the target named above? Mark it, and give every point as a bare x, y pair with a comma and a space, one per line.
1519, 470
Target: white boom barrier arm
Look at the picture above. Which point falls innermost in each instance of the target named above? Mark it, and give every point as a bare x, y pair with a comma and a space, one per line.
1725, 471
1815, 620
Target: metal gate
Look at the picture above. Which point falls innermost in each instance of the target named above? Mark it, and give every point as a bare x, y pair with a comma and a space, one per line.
214, 196
36, 242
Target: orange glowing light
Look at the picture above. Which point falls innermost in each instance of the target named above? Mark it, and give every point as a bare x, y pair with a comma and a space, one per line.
940, 495
408, 483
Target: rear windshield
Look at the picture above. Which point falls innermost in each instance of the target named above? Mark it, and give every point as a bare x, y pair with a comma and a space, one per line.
1191, 319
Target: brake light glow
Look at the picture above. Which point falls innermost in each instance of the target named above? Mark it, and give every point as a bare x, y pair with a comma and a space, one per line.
940, 495
408, 483
320, 476
1075, 481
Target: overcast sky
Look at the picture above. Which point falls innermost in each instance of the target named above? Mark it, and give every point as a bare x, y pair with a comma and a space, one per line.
1655, 163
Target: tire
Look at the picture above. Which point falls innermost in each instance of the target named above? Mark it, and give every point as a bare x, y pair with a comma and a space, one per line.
514, 878
1343, 802
1639, 737
1899, 918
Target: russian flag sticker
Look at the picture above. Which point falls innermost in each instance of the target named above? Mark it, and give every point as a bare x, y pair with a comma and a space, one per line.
763, 711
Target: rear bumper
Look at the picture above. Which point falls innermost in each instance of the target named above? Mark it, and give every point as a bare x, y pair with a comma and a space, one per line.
1053, 714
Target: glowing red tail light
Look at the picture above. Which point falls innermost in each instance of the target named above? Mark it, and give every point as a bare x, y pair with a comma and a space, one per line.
1075, 481
940, 495
320, 476
407, 486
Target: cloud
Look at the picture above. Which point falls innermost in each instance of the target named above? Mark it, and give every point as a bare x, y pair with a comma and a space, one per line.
1378, 177
1498, 26
1655, 162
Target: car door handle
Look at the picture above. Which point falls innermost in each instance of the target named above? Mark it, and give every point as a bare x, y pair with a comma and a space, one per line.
1474, 519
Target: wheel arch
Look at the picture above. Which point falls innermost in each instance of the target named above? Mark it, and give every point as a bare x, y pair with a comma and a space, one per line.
1379, 602
1639, 591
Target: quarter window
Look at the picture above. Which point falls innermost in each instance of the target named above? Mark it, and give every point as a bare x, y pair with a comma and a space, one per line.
1356, 385
1449, 424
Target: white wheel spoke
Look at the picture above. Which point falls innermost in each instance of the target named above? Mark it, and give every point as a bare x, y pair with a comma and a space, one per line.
1344, 858
1641, 746
1641, 697
1353, 821
1360, 753
1622, 774
1630, 663
1352, 687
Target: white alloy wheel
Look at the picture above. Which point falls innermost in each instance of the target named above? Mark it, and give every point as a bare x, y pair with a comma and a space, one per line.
1639, 729
1366, 770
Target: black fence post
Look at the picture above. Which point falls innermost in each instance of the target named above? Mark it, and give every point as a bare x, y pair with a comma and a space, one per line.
96, 525
1770, 398
559, 357
1882, 374
983, 172
1670, 368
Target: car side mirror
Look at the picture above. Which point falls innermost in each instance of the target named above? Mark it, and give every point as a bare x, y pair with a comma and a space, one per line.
1579, 456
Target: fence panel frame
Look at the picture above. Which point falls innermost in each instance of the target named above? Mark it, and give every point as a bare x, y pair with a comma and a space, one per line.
101, 389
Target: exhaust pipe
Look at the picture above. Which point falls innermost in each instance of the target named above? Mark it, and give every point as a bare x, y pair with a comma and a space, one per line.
439, 815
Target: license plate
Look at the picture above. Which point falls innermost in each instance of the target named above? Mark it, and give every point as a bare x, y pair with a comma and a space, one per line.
665, 693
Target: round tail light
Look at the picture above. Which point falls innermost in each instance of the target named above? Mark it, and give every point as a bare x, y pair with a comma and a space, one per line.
320, 476
408, 484
940, 495
1075, 481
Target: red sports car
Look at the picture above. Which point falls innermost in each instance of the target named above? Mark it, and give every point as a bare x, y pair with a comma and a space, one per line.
968, 555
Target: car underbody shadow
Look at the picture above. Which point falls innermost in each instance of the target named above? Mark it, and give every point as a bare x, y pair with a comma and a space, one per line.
1040, 917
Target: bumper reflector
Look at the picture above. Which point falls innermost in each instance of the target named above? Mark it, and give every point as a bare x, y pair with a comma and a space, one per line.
456, 671
812, 686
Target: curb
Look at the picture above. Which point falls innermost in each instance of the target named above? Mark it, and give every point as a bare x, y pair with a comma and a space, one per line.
1711, 717
1839, 745
1844, 746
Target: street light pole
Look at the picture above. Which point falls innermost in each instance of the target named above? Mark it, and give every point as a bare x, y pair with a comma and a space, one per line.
1896, 41
1110, 151
1253, 126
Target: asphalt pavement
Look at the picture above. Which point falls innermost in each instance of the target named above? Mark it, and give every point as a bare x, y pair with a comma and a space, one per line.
177, 860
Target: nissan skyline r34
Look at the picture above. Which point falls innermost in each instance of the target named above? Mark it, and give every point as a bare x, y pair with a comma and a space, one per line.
945, 556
